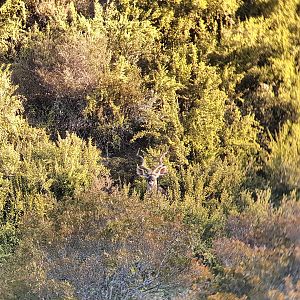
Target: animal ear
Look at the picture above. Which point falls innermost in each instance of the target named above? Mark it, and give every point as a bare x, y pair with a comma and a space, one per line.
163, 171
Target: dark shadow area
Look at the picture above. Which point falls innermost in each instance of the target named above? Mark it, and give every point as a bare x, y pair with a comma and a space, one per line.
254, 8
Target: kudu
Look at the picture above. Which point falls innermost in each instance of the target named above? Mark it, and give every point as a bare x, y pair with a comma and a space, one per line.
152, 175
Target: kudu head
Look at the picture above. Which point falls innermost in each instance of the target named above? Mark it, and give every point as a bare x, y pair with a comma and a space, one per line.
152, 175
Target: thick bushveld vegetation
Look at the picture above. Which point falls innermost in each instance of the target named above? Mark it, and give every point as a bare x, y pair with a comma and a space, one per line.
85, 85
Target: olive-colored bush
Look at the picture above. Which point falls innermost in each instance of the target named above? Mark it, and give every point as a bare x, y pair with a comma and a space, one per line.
101, 246
213, 83
35, 172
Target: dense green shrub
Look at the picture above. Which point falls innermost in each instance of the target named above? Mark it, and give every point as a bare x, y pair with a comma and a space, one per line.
34, 171
282, 164
216, 83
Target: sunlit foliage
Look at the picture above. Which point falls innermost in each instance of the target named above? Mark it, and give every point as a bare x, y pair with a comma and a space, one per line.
85, 85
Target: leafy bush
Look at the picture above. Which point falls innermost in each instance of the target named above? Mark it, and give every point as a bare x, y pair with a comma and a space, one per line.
282, 164
33, 169
261, 255
101, 246
214, 82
